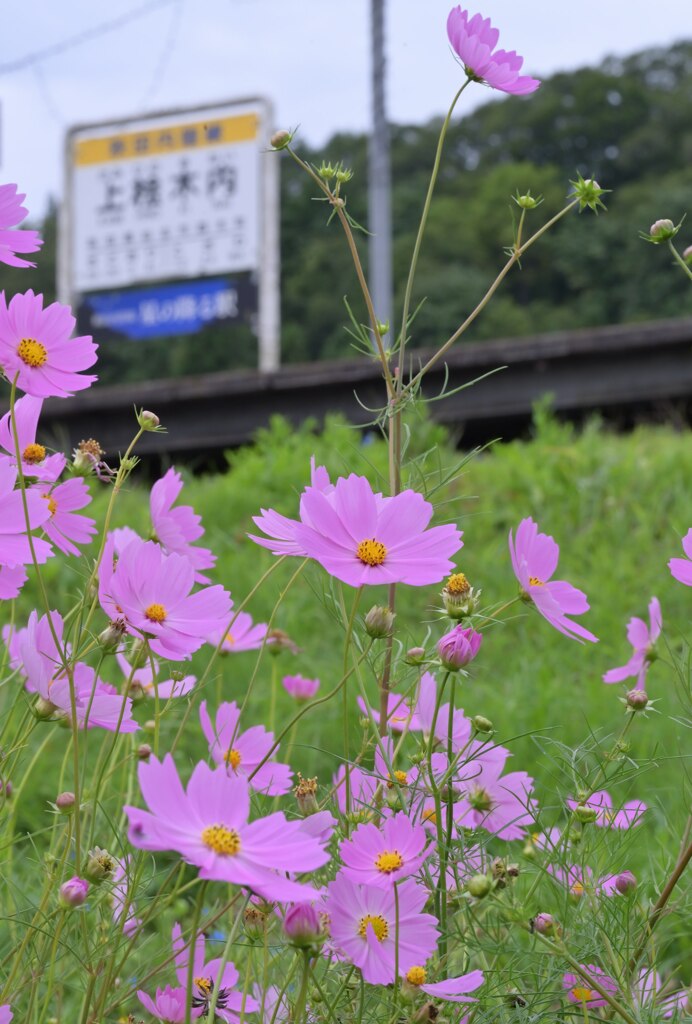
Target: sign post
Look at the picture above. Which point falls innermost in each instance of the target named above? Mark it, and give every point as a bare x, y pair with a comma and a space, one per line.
170, 222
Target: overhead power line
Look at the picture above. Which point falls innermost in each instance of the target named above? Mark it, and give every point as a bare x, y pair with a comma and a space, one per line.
82, 37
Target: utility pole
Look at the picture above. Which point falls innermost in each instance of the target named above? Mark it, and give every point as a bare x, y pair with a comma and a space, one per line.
379, 179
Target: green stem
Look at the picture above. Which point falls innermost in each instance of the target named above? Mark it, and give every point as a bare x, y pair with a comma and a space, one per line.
678, 259
300, 1008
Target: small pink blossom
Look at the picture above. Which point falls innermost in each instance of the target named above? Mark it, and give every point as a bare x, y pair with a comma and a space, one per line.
363, 923
534, 559
579, 990
36, 348
243, 752
384, 855
35, 460
451, 990
205, 975
169, 1004
281, 536
629, 814
14, 545
500, 804
244, 635
64, 526
142, 679
473, 39
642, 638
681, 568
177, 529
208, 826
400, 715
361, 791
300, 688
13, 241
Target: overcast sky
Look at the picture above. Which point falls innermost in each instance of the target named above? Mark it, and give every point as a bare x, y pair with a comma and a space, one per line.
311, 57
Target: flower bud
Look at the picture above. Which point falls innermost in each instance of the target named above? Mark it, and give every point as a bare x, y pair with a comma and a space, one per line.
459, 597
479, 886
110, 637
144, 752
148, 420
278, 641
382, 327
302, 926
100, 865
662, 230
527, 201
626, 882
458, 647
73, 892
281, 139
545, 924
428, 1012
138, 655
415, 655
481, 724
65, 802
300, 688
343, 174
637, 700
254, 922
306, 795
6, 788
589, 193
326, 171
379, 622
687, 255
585, 814
43, 709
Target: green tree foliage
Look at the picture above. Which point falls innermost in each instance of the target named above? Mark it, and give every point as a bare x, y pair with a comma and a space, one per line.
627, 123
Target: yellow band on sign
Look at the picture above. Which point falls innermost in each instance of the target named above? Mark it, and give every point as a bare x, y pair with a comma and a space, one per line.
174, 138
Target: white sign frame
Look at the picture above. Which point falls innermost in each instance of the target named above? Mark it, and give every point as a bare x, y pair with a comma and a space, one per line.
267, 232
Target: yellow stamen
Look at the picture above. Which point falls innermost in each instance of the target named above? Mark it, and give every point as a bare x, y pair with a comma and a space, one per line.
204, 985
430, 816
155, 613
229, 639
33, 454
379, 926
220, 839
52, 503
32, 353
457, 584
577, 889
389, 861
584, 994
233, 757
371, 552
400, 777
416, 975
535, 582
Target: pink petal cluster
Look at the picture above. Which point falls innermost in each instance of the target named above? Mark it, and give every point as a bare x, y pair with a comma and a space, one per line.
579, 991
601, 802
14, 545
12, 242
681, 568
244, 634
383, 856
208, 826
64, 527
243, 752
36, 348
207, 974
177, 529
150, 591
534, 559
473, 39
451, 990
363, 926
281, 532
35, 460
642, 638
501, 804
300, 688
168, 1005
458, 647
142, 680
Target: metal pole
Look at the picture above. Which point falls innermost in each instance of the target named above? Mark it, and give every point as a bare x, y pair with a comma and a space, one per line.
379, 181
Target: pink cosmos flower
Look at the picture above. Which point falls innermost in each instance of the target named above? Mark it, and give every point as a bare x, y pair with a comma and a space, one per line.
577, 879
458, 647
383, 856
169, 1005
362, 788
142, 680
425, 711
208, 827
626, 816
35, 460
6, 1014
642, 639
452, 990
474, 41
363, 541
14, 546
300, 688
177, 529
35, 347
244, 635
501, 804
64, 526
281, 538
151, 592
681, 568
617, 885
534, 559
122, 903
13, 213
579, 991
400, 715
647, 990
363, 926
206, 975
12, 579
242, 752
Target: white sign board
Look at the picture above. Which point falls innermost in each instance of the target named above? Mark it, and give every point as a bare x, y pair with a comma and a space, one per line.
175, 196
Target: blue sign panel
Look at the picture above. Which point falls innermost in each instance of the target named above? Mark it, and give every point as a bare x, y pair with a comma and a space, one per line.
168, 309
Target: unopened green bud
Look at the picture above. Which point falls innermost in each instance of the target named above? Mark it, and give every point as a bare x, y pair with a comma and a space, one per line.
326, 171
481, 724
343, 175
43, 709
138, 655
687, 255
379, 622
637, 700
281, 139
110, 637
382, 327
415, 655
589, 193
585, 814
662, 230
148, 420
527, 201
479, 886
65, 802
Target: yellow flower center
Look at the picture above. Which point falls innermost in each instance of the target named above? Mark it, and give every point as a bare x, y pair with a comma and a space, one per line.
32, 353
535, 582
379, 926
399, 777
33, 454
371, 552
577, 889
52, 503
233, 757
204, 985
155, 613
430, 816
222, 840
457, 584
389, 861
229, 638
584, 994
416, 975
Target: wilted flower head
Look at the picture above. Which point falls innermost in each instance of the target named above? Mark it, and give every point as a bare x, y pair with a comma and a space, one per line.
473, 39
12, 213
